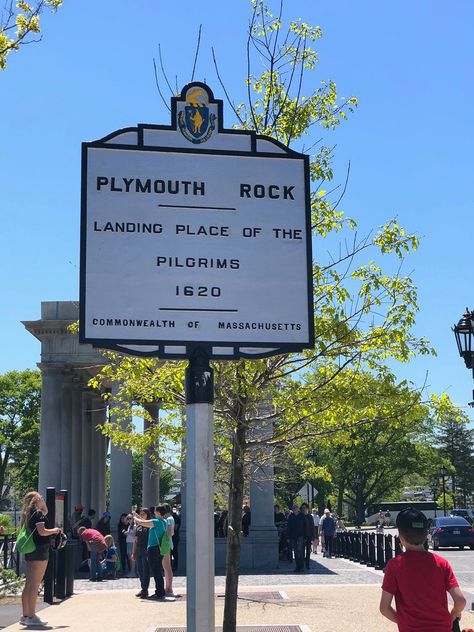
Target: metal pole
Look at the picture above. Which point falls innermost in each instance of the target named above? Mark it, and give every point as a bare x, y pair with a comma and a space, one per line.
443, 472
199, 388
51, 568
60, 588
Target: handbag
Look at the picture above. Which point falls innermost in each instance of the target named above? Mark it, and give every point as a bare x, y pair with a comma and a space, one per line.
24, 541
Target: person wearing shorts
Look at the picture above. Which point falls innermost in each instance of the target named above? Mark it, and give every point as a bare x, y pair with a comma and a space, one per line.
33, 517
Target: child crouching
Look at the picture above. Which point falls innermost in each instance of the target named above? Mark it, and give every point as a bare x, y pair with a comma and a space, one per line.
110, 558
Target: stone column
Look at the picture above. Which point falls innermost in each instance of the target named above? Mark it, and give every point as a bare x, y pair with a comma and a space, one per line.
86, 449
95, 404
66, 432
120, 477
76, 439
151, 466
98, 455
50, 427
103, 444
263, 533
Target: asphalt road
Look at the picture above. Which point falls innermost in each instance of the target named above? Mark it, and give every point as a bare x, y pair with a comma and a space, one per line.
462, 563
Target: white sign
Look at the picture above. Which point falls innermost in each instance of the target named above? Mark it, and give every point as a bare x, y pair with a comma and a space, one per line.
308, 491
185, 245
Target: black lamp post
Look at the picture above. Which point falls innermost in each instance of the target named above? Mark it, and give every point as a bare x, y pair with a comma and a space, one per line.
443, 478
312, 454
464, 334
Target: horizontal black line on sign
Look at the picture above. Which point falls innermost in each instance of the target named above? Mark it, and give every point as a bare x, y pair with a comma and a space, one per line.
190, 309
207, 208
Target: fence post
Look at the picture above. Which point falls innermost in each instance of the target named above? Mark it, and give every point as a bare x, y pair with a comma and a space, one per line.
348, 551
398, 546
388, 548
355, 546
380, 551
5, 551
48, 585
359, 545
365, 548
16, 556
343, 544
371, 560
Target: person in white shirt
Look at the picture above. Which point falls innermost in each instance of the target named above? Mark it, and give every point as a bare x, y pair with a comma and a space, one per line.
316, 520
130, 539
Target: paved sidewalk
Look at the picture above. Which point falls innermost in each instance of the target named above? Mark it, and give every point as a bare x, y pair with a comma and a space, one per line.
322, 571
334, 595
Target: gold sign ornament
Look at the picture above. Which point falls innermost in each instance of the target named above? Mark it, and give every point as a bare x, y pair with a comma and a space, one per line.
195, 121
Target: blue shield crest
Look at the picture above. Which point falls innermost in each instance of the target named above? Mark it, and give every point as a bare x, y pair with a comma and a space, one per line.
197, 120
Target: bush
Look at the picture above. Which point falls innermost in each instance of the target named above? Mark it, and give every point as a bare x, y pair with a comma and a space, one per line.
6, 521
10, 582
6, 524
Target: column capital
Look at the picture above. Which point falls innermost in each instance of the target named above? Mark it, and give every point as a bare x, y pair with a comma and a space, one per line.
51, 369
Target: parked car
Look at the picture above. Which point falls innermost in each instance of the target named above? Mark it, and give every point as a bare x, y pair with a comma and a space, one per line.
450, 531
464, 513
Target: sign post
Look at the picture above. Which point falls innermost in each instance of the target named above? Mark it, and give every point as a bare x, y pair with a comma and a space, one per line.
196, 244
199, 391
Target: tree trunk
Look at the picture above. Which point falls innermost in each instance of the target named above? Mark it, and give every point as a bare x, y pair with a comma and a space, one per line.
340, 497
359, 507
236, 496
3, 466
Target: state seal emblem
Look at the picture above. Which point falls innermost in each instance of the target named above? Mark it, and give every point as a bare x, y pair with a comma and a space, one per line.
195, 121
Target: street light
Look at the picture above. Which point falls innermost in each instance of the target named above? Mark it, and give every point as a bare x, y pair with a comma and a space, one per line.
312, 454
443, 477
464, 334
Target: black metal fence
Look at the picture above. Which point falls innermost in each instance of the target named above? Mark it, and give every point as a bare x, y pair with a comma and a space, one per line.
367, 547
9, 557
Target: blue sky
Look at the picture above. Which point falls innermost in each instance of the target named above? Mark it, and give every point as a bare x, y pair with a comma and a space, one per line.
409, 143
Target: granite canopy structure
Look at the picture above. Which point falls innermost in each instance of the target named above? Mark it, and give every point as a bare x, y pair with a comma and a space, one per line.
73, 453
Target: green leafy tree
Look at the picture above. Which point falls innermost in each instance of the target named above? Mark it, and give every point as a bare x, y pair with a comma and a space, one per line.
293, 468
137, 473
369, 432
455, 441
19, 431
20, 25
363, 312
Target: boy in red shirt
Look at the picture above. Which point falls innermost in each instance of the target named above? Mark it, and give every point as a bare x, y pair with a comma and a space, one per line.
419, 581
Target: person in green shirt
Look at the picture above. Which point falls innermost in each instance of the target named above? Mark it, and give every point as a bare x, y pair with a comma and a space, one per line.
157, 526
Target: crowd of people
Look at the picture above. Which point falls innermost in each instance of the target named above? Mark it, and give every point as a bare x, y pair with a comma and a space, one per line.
147, 546
417, 580
221, 522
302, 532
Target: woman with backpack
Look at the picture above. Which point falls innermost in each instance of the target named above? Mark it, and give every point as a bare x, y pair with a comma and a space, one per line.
33, 519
